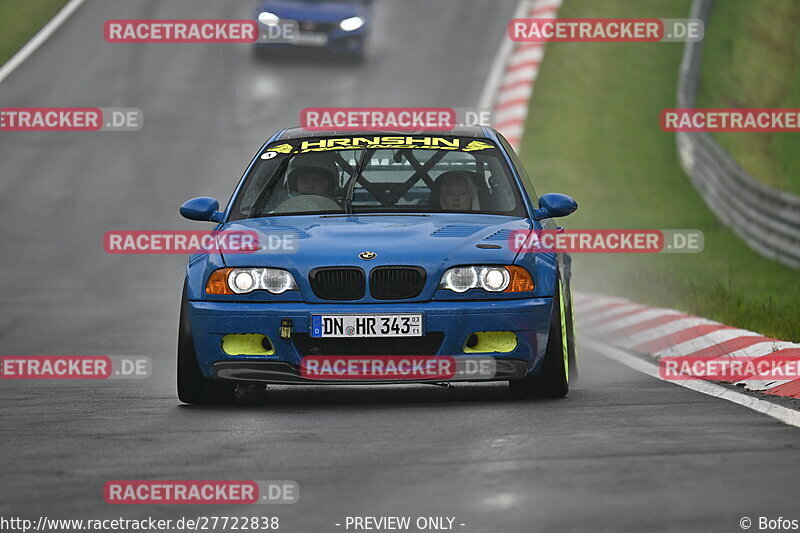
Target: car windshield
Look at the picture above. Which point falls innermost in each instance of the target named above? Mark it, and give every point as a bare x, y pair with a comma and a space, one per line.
361, 2
403, 174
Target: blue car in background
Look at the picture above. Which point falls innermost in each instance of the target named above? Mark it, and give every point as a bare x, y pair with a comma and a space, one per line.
340, 26
406, 232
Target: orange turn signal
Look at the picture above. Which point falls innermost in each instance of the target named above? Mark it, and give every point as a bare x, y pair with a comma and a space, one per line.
218, 282
520, 280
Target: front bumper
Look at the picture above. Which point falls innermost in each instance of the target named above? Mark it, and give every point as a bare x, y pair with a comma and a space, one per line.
338, 42
451, 322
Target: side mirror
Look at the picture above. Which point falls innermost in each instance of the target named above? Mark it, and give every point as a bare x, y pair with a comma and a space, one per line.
203, 208
554, 205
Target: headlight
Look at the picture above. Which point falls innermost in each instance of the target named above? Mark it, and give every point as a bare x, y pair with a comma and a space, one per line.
268, 19
488, 278
243, 281
494, 279
351, 24
247, 280
460, 279
277, 281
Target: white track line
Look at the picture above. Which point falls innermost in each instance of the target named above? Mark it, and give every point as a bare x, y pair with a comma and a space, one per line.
495, 77
779, 412
513, 66
31, 46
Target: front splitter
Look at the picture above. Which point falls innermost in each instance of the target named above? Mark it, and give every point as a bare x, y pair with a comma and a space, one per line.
276, 372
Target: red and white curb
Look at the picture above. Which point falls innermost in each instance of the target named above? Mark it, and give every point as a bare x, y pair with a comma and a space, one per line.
622, 326
669, 333
510, 84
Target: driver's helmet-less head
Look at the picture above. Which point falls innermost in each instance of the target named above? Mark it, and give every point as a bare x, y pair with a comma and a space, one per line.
310, 179
455, 190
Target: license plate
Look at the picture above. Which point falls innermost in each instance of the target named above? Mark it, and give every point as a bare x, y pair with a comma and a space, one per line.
366, 325
310, 39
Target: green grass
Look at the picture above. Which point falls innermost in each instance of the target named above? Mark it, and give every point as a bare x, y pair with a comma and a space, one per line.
20, 20
593, 132
751, 58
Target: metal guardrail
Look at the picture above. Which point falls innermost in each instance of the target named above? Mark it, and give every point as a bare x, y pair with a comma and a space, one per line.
767, 219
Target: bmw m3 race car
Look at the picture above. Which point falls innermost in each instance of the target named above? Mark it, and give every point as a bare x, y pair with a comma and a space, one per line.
377, 245
340, 26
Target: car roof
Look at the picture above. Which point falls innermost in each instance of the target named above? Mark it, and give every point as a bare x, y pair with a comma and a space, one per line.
460, 131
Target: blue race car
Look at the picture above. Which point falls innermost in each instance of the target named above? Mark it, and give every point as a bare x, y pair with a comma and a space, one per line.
374, 245
340, 26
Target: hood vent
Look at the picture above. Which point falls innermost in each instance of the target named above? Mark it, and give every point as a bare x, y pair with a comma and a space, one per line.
457, 230
501, 235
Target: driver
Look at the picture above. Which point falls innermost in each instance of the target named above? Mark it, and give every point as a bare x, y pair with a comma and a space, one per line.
312, 180
457, 191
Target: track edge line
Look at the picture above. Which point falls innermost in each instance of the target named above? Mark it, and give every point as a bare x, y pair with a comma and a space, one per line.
779, 412
39, 38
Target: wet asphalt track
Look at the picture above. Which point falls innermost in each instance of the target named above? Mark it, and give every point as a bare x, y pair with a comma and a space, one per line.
622, 451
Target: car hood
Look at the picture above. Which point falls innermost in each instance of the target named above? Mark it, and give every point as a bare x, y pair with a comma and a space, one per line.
427, 241
433, 242
309, 10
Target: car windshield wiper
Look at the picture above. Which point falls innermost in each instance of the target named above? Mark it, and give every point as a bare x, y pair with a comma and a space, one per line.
368, 214
272, 177
348, 203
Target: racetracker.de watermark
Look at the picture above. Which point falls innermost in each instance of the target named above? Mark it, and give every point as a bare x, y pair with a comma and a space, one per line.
180, 31
392, 118
75, 367
731, 120
607, 30
145, 524
771, 367
614, 241
71, 119
189, 242
397, 368
200, 492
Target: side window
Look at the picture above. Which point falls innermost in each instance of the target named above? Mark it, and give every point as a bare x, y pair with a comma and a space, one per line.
252, 187
500, 189
515, 160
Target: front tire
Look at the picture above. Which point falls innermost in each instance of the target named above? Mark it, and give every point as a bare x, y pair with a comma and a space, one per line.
552, 381
571, 345
193, 386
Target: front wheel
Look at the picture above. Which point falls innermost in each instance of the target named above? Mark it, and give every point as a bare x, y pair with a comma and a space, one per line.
552, 381
571, 345
193, 386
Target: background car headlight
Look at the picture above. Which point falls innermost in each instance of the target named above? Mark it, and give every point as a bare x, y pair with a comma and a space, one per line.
488, 278
268, 19
246, 280
351, 24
